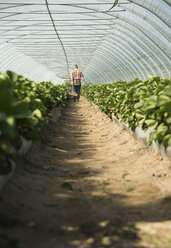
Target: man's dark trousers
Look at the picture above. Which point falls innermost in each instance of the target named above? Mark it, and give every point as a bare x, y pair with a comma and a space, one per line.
77, 89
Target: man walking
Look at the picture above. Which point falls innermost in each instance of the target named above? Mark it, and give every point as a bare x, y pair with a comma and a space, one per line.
76, 76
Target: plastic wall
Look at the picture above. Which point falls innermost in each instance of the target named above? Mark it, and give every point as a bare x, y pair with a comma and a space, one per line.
43, 39
13, 60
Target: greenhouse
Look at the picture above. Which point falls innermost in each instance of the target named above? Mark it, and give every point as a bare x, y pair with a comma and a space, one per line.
85, 123
44, 39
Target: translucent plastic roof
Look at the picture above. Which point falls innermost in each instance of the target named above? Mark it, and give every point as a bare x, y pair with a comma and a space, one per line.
43, 39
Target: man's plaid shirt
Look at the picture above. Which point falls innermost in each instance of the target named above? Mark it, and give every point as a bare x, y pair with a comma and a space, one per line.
76, 76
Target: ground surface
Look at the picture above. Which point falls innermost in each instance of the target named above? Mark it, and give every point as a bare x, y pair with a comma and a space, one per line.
87, 184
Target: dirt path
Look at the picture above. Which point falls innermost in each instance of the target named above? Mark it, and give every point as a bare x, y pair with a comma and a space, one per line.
87, 184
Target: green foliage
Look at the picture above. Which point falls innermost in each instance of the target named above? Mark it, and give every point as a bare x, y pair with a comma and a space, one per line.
23, 106
66, 186
140, 103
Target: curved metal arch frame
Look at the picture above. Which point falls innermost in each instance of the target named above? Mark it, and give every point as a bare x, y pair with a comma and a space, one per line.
152, 42
144, 45
75, 7
167, 2
82, 7
142, 18
100, 66
145, 7
126, 59
135, 51
155, 49
137, 15
143, 48
100, 52
19, 67
27, 60
120, 56
32, 65
139, 27
97, 70
10, 60
112, 53
114, 62
88, 14
122, 45
96, 78
143, 33
100, 55
87, 8
12, 56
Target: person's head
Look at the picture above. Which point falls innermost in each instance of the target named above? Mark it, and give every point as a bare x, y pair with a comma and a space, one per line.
76, 66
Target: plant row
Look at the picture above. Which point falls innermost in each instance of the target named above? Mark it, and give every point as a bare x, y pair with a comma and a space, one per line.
24, 105
145, 104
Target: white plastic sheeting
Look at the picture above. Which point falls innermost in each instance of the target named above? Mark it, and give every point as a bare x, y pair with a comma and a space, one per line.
12, 59
43, 39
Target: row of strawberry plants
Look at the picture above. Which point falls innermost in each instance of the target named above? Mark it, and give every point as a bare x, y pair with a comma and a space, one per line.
139, 103
23, 106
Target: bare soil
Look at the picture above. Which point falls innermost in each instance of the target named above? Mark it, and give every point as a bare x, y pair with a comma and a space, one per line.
88, 184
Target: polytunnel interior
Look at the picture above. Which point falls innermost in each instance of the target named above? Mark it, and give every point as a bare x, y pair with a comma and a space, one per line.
43, 39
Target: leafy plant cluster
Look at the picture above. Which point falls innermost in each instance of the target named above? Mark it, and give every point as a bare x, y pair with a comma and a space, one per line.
23, 106
138, 103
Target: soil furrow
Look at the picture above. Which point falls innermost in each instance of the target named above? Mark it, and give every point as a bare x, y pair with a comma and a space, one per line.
87, 183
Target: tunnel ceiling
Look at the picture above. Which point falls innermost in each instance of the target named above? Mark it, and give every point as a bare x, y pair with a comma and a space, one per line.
45, 38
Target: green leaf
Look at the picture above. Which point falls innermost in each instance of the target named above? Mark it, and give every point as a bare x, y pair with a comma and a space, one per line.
5, 83
141, 122
163, 100
168, 107
13, 76
169, 142
168, 120
162, 128
150, 122
150, 105
37, 113
154, 127
139, 116
161, 131
11, 121
167, 91
32, 121
20, 110
6, 100
166, 139
139, 105
66, 186
150, 77
150, 138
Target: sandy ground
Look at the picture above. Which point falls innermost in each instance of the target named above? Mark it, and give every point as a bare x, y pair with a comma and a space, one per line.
87, 183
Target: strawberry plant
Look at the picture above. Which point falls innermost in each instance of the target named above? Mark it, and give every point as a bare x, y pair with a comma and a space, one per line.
23, 107
140, 103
